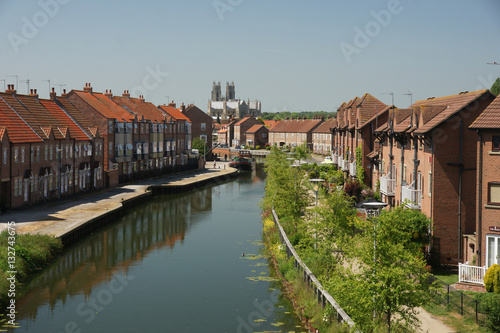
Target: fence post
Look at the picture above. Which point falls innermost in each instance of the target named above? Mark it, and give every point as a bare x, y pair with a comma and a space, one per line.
476, 310
461, 303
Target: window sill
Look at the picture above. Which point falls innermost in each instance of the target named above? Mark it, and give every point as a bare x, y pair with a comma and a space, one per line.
492, 206
494, 152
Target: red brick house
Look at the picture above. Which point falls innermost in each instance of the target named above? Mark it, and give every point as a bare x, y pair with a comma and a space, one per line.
486, 241
322, 138
181, 131
257, 135
294, 132
427, 161
241, 127
201, 124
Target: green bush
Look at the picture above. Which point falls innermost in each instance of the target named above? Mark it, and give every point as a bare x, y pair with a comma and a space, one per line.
257, 147
492, 279
490, 304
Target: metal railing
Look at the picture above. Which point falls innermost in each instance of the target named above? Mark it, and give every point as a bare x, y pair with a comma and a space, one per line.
456, 300
471, 274
322, 295
412, 196
353, 169
387, 185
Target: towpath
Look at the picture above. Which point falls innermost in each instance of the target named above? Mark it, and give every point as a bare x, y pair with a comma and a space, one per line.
59, 218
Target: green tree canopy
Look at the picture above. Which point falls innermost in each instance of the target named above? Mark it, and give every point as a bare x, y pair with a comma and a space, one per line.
199, 144
495, 88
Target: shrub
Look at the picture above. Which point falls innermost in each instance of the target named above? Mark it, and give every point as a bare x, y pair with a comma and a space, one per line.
492, 279
490, 304
353, 189
268, 147
257, 147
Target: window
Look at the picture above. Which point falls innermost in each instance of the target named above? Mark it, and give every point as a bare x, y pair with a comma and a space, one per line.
492, 250
51, 152
5, 155
495, 143
203, 126
494, 193
429, 184
32, 156
22, 154
46, 152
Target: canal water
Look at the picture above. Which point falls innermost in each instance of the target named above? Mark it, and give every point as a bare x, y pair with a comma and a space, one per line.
185, 263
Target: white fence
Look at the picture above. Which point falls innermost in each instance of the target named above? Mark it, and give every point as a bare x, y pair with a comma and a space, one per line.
322, 295
412, 195
471, 274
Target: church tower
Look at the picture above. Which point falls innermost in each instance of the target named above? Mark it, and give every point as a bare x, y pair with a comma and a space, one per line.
230, 93
216, 92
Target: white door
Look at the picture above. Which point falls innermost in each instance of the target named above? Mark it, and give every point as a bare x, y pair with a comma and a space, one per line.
492, 250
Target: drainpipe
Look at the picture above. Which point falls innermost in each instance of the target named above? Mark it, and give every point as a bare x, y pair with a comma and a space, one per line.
11, 162
480, 203
460, 172
401, 177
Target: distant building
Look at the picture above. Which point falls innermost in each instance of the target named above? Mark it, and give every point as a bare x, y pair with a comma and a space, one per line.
226, 107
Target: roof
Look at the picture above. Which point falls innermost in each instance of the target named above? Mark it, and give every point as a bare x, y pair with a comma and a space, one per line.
442, 108
296, 125
255, 128
19, 131
325, 127
378, 114
194, 112
270, 123
62, 120
239, 123
106, 107
402, 120
368, 106
490, 118
173, 112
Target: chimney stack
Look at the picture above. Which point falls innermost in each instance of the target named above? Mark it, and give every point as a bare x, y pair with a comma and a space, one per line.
109, 95
64, 92
183, 107
172, 104
88, 88
53, 94
10, 89
141, 97
126, 94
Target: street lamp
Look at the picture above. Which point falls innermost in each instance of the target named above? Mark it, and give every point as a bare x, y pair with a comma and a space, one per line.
315, 183
373, 208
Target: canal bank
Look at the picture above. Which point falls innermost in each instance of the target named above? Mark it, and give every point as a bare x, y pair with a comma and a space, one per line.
73, 219
190, 262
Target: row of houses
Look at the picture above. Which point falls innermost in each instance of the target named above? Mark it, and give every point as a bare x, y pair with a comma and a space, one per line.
441, 156
86, 140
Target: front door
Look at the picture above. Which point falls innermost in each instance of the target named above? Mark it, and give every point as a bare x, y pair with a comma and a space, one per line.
492, 250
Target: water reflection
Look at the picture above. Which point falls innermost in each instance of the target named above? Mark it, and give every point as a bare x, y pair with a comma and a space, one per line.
159, 224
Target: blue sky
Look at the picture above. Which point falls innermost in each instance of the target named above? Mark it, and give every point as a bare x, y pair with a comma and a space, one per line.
292, 55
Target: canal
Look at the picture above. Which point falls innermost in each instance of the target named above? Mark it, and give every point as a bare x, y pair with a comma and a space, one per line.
185, 263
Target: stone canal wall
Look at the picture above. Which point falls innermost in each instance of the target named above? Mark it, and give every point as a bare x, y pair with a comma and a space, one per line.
75, 219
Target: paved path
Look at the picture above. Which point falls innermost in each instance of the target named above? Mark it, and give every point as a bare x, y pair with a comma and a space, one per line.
431, 324
58, 218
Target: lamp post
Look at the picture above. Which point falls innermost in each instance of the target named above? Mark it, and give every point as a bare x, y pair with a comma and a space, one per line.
372, 212
315, 183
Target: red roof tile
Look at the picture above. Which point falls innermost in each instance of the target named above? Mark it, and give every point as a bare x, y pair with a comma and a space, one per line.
296, 125
19, 131
255, 128
450, 105
490, 118
63, 121
173, 112
325, 127
103, 108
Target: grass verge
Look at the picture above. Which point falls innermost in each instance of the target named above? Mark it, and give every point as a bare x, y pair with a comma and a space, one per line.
25, 255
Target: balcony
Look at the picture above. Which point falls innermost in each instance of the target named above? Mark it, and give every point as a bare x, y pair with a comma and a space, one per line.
341, 161
352, 169
345, 165
471, 274
412, 196
387, 185
335, 158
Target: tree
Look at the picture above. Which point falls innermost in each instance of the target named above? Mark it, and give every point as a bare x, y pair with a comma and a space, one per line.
199, 144
302, 152
393, 265
495, 88
261, 120
285, 190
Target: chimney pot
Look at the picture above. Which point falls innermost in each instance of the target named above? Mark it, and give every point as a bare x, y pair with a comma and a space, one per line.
64, 91
53, 89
